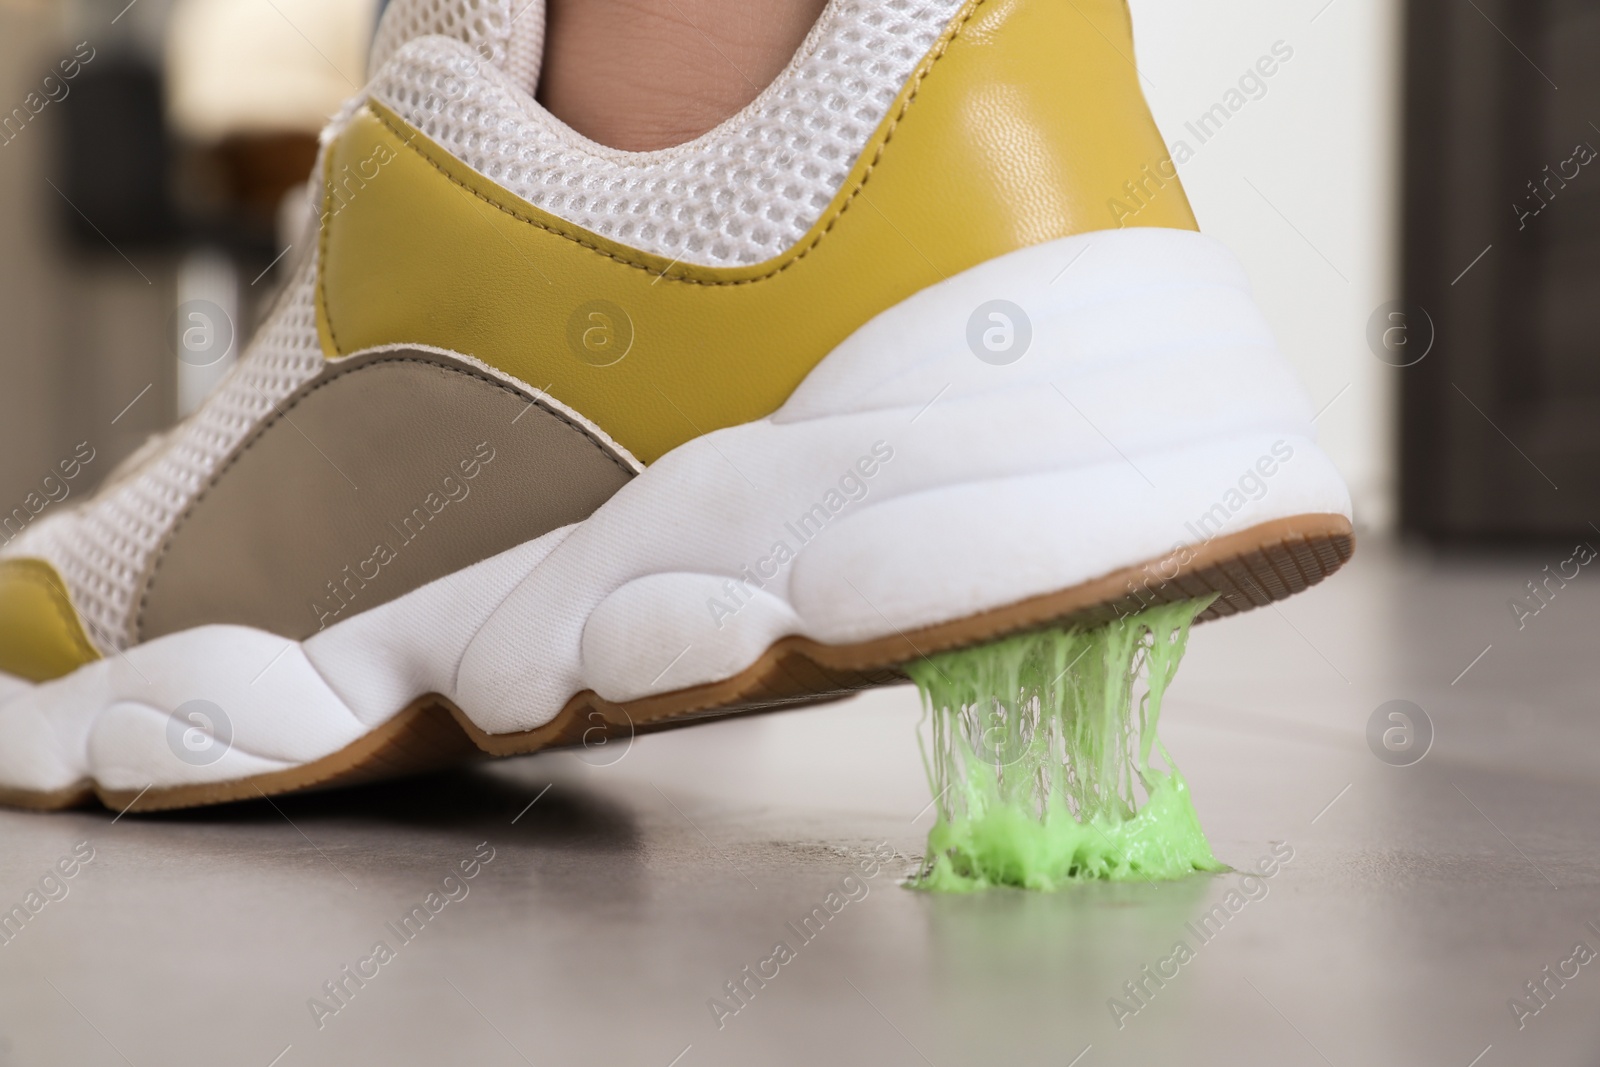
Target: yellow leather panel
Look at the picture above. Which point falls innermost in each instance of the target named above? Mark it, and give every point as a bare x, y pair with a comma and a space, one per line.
40, 635
1024, 124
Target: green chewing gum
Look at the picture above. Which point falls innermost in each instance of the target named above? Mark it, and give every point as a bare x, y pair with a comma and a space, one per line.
1041, 748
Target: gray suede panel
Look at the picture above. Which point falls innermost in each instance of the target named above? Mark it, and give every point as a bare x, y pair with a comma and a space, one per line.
384, 473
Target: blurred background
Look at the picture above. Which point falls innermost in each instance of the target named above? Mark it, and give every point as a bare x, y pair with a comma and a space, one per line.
152, 154
1389, 200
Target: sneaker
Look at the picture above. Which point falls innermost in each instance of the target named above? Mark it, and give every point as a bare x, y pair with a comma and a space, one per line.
546, 443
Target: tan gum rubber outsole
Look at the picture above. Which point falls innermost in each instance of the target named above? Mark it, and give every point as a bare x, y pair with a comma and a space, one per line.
1247, 569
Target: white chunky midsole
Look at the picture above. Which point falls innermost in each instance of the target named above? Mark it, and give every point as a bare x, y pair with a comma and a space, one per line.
907, 483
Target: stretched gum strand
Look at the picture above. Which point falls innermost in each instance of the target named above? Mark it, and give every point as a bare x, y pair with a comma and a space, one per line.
1039, 752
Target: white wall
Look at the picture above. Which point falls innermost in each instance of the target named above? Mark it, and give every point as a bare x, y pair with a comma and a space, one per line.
1319, 146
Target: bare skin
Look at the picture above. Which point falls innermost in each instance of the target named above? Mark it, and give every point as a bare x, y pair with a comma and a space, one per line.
646, 74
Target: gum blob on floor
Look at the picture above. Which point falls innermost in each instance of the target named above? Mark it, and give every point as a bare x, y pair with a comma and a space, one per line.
1040, 759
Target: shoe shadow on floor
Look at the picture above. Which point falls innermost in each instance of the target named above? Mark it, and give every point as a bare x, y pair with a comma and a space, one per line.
499, 802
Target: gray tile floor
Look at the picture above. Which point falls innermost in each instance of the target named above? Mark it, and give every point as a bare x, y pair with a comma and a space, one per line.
1418, 902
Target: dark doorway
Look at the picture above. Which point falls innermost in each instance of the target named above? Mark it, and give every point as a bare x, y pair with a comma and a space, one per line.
1500, 431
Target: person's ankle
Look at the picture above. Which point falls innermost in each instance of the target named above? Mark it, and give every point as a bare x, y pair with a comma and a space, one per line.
648, 74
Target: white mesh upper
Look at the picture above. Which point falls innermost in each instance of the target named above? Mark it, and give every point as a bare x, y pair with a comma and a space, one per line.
741, 194
509, 33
